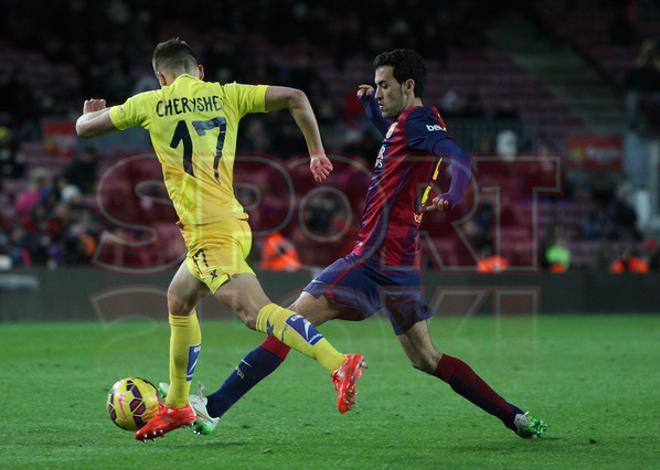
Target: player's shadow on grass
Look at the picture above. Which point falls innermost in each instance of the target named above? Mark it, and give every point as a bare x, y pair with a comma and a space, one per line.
203, 442
505, 446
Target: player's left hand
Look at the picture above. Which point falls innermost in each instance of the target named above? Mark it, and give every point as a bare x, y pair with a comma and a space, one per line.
439, 204
364, 90
93, 105
320, 166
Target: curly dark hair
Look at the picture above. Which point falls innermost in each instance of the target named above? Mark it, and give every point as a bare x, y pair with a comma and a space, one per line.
175, 55
406, 64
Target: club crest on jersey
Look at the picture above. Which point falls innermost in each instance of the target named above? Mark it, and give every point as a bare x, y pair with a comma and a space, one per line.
390, 131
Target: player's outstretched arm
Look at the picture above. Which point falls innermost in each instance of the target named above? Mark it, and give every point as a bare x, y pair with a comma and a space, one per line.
365, 94
95, 119
296, 101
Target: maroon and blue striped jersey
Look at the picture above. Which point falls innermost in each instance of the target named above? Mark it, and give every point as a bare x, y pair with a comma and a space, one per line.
405, 169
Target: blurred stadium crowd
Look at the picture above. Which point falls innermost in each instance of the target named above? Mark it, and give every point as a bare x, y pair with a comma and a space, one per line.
54, 210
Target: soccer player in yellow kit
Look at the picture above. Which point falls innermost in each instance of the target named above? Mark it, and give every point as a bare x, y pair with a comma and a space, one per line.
193, 127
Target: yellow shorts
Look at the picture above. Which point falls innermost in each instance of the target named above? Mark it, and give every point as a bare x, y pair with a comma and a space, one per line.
217, 251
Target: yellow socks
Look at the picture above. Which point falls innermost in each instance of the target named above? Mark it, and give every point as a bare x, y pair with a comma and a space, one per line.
287, 326
295, 331
185, 345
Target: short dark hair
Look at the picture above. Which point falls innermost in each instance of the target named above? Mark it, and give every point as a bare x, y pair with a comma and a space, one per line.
406, 64
175, 55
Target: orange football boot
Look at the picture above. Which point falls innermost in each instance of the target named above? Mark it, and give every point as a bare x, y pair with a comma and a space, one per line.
167, 419
344, 380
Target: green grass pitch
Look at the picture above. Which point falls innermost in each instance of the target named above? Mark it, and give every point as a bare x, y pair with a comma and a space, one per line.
594, 379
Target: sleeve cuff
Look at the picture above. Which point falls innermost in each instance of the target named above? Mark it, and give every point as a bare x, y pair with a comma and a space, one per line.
117, 116
261, 97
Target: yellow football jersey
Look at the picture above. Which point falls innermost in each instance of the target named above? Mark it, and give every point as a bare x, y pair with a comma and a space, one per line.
193, 127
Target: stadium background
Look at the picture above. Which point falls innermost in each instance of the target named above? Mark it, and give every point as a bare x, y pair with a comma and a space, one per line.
557, 101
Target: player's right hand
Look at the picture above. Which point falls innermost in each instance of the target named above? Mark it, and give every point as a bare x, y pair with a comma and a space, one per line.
320, 166
364, 90
93, 105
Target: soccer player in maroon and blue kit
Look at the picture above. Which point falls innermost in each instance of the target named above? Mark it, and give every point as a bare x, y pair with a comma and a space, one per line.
382, 271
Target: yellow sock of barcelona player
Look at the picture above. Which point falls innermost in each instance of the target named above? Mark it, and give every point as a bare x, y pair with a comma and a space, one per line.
295, 331
185, 345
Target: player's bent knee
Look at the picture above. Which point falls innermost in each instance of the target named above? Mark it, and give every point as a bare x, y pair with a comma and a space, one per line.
248, 317
424, 364
178, 306
251, 323
417, 364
